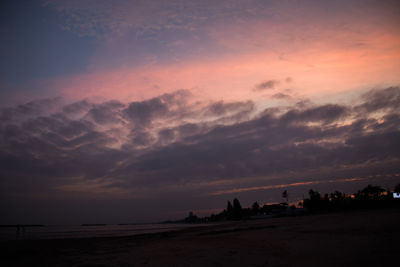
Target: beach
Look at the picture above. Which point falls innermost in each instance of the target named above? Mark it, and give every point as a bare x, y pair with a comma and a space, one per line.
356, 238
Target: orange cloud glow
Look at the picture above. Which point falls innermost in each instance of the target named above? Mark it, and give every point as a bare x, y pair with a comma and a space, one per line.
318, 70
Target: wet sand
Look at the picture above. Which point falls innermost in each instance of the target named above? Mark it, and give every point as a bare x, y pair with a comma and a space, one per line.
362, 238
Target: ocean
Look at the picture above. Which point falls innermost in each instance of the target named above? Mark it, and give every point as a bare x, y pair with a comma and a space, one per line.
85, 231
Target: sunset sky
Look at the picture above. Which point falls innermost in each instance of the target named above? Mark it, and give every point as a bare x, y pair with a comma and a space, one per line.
136, 111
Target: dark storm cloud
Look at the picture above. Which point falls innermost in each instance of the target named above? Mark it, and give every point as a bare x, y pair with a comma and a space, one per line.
228, 113
220, 108
108, 112
162, 144
30, 109
326, 114
141, 138
266, 85
166, 135
188, 129
143, 112
56, 124
77, 107
376, 100
281, 96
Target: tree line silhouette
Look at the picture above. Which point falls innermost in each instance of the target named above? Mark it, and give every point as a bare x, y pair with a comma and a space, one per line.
369, 197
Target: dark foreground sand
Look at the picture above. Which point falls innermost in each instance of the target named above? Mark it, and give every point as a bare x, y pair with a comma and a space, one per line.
362, 238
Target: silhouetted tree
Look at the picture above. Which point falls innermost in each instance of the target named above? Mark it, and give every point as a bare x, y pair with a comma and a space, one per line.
314, 203
337, 200
397, 188
237, 209
325, 202
373, 191
229, 211
229, 207
236, 204
285, 196
369, 194
191, 218
255, 208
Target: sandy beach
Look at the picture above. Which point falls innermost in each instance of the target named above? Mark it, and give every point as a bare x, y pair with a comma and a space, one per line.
362, 238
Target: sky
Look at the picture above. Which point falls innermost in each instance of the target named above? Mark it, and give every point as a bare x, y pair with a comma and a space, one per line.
138, 111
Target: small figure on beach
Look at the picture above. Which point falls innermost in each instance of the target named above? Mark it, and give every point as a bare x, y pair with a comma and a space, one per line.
20, 229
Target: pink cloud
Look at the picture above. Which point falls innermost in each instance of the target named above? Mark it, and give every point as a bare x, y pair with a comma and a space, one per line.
317, 71
327, 53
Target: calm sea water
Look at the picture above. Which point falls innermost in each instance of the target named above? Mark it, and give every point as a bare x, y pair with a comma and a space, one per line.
75, 231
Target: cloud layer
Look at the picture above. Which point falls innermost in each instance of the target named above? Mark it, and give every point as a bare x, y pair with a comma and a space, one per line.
171, 145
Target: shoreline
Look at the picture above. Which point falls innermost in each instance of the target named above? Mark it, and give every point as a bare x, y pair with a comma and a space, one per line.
360, 238
78, 231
